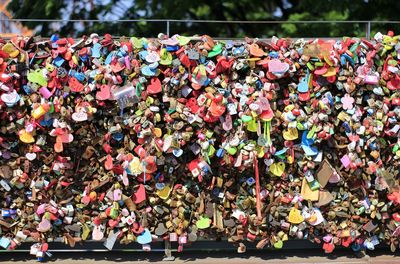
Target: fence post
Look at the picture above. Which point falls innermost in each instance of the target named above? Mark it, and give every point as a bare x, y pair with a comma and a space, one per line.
368, 30
168, 255
167, 27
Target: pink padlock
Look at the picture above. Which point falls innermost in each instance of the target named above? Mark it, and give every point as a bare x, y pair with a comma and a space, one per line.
45, 92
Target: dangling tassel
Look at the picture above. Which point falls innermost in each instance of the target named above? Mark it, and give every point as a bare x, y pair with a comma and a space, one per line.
258, 198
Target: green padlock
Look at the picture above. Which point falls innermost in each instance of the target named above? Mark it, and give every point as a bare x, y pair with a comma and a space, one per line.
252, 126
114, 212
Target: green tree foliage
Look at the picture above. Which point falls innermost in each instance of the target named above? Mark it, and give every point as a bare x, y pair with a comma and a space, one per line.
267, 10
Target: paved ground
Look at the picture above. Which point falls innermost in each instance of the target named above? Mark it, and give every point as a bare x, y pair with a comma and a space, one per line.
283, 256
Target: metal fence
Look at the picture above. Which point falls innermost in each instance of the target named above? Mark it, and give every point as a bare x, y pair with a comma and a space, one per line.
172, 26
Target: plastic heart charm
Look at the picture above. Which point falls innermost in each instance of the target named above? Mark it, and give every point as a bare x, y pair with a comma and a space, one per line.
154, 87
295, 216
277, 168
177, 152
145, 237
140, 195
203, 223
79, 116
10, 99
104, 93
290, 134
276, 66
44, 225
30, 156
164, 193
161, 229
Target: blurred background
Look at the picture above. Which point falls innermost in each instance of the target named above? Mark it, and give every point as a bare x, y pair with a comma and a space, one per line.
77, 17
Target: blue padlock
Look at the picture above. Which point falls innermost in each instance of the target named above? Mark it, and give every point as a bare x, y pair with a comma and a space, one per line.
220, 153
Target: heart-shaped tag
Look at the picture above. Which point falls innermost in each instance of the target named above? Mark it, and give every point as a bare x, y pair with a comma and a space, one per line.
152, 57
145, 237
203, 223
177, 152
140, 195
112, 223
44, 225
10, 99
277, 168
37, 76
164, 193
161, 229
155, 86
378, 90
290, 134
104, 93
276, 66
30, 156
295, 216
79, 116
255, 50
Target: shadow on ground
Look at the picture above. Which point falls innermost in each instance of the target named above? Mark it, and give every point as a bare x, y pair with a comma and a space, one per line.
195, 255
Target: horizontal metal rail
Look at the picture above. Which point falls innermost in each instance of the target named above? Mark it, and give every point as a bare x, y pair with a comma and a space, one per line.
206, 21
168, 22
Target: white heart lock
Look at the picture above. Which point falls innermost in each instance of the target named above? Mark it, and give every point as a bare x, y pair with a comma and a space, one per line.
30, 156
10, 99
79, 116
